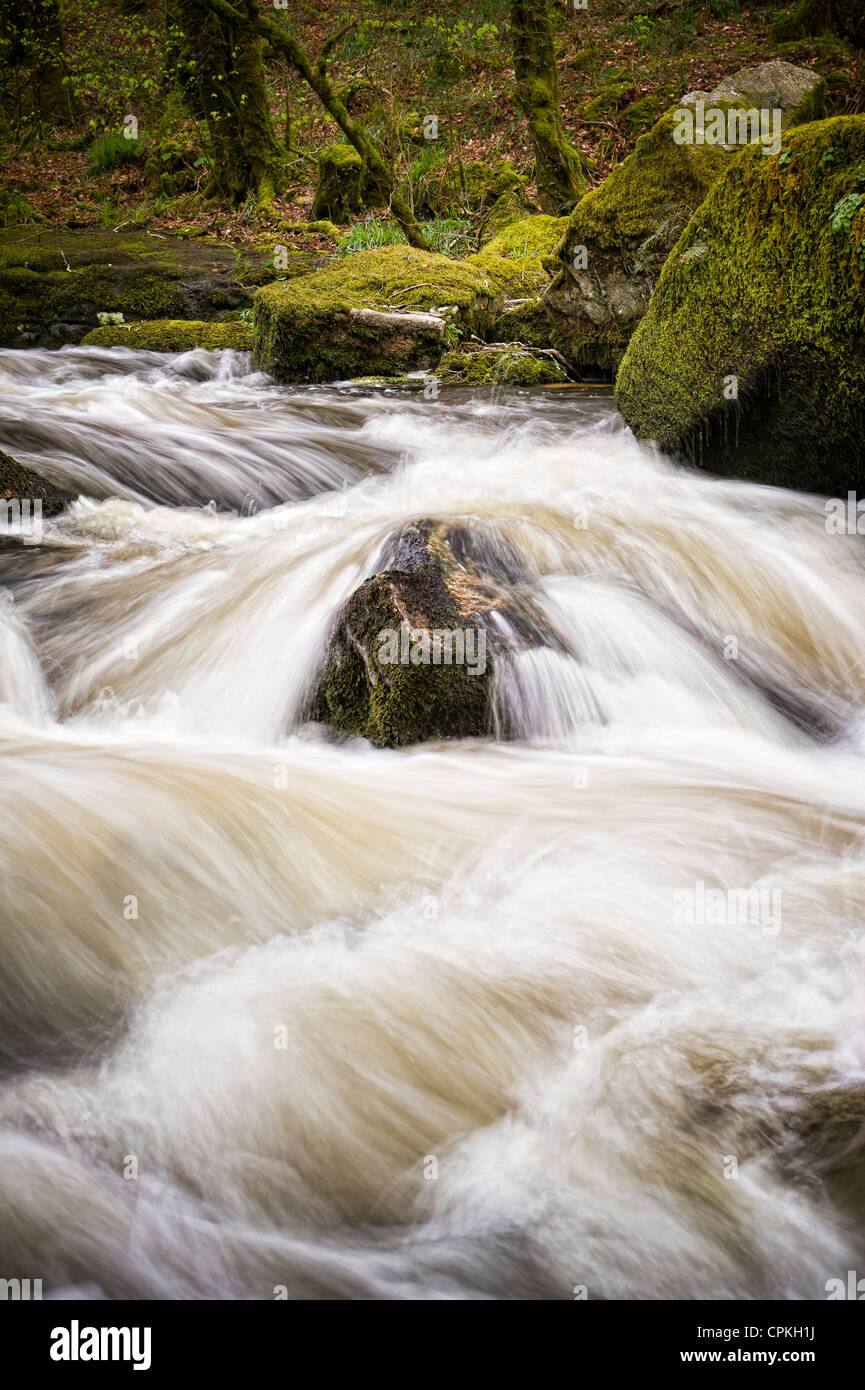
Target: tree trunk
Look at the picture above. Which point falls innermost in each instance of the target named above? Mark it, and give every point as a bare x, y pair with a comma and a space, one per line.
316, 77
31, 46
558, 171
229, 91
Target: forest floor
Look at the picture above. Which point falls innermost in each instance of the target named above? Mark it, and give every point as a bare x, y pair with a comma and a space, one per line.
618, 71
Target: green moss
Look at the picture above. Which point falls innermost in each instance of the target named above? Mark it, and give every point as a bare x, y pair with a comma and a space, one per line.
764, 289
511, 365
503, 178
307, 330
658, 180
641, 115
320, 228
344, 188
627, 226
527, 323
391, 704
173, 335
811, 17
514, 276
610, 98
533, 237
446, 187
54, 285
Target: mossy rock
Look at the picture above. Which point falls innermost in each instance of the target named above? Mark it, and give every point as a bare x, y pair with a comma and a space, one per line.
798, 93
536, 237
617, 240
379, 312
502, 364
639, 116
621, 233
613, 94
173, 335
54, 285
392, 691
19, 483
525, 321
323, 228
345, 188
751, 359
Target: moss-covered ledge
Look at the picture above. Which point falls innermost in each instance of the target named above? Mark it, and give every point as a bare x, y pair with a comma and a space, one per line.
173, 335
55, 284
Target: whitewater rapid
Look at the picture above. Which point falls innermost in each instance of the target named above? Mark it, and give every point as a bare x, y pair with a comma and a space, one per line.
282, 1015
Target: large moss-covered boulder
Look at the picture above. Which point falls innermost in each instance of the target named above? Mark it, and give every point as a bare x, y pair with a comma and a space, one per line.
617, 240
344, 187
751, 359
54, 285
380, 312
173, 335
621, 233
408, 659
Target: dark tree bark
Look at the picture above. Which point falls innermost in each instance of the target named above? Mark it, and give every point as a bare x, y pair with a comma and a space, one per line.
32, 58
226, 85
315, 75
559, 174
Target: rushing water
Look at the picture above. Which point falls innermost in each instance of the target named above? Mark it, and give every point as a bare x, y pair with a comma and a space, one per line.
280, 1012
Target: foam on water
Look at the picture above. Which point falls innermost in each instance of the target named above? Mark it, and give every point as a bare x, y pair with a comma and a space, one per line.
447, 1022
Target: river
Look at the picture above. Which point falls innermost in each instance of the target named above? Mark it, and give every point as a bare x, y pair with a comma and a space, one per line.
578, 1014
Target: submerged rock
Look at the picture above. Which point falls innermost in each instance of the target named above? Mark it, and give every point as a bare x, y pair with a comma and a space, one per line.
22, 485
751, 359
621, 233
54, 285
407, 659
414, 651
173, 335
380, 312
